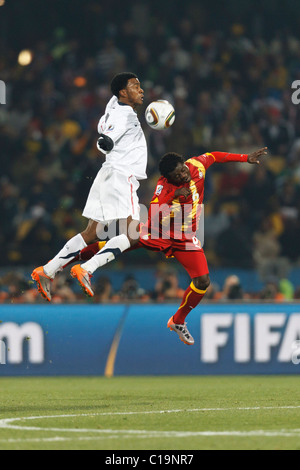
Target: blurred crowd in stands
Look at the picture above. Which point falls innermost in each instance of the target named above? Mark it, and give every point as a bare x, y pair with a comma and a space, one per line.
231, 89
16, 289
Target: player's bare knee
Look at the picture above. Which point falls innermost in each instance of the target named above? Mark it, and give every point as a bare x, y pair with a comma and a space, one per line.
201, 282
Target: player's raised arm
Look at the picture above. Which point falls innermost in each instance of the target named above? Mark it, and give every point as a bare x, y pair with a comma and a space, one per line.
111, 129
253, 158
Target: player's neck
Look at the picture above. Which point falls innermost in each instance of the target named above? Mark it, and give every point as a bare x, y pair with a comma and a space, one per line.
124, 102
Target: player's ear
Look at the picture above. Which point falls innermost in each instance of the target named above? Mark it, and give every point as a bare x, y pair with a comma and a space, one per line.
123, 93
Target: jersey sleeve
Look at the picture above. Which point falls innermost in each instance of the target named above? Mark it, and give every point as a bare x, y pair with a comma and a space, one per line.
160, 207
207, 159
164, 193
223, 157
113, 126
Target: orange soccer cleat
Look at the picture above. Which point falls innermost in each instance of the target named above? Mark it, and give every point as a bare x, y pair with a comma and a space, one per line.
43, 282
182, 331
84, 279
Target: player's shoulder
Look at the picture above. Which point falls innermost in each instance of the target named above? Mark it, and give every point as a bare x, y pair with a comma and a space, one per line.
202, 157
205, 159
117, 117
125, 113
162, 184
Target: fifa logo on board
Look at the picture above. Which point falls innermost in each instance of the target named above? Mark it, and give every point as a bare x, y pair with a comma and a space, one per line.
2, 92
296, 352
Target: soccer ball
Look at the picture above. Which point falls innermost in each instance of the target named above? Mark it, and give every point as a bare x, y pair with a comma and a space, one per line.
160, 114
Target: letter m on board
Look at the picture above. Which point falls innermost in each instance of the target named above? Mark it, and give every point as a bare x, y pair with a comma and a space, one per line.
2, 352
2, 92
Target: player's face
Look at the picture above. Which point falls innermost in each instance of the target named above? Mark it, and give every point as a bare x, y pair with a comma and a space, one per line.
180, 176
134, 92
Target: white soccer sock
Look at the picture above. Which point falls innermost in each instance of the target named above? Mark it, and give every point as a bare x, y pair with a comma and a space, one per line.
66, 254
113, 248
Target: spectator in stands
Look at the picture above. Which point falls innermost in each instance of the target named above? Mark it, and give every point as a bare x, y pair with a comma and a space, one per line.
104, 291
276, 132
233, 245
271, 292
232, 289
131, 290
267, 252
167, 287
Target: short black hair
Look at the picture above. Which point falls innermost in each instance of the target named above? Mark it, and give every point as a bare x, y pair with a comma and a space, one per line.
119, 82
169, 162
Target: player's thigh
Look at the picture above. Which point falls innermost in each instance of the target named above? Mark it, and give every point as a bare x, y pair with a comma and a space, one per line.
131, 228
91, 233
194, 262
119, 198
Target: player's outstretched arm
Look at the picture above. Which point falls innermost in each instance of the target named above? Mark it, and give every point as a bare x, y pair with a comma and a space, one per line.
254, 157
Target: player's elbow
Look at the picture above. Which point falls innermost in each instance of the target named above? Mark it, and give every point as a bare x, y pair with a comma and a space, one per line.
105, 143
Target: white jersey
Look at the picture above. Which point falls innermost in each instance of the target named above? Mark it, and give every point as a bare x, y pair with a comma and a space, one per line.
129, 154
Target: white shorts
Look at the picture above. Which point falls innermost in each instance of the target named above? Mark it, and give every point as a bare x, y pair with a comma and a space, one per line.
112, 196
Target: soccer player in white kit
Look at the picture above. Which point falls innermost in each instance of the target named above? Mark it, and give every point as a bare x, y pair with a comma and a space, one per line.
113, 195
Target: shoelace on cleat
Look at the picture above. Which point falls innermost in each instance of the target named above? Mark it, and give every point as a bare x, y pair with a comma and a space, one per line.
183, 330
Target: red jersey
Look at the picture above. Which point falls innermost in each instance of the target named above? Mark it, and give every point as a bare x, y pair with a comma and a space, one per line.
178, 218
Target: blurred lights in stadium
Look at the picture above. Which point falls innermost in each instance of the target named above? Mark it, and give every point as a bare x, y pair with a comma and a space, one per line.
25, 57
79, 82
2, 2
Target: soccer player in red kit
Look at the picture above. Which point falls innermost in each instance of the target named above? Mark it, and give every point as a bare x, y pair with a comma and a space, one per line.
174, 215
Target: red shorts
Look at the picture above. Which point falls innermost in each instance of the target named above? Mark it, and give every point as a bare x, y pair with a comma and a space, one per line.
189, 253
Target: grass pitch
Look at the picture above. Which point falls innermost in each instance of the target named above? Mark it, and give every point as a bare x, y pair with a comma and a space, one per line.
147, 413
